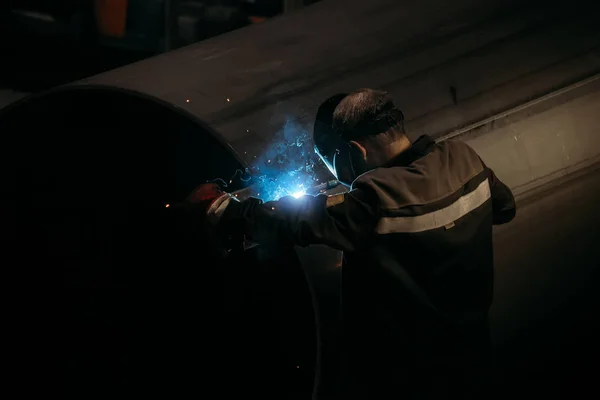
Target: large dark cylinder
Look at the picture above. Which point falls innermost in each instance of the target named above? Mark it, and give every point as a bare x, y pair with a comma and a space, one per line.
89, 174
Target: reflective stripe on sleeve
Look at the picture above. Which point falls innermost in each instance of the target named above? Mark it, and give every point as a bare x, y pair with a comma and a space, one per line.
439, 218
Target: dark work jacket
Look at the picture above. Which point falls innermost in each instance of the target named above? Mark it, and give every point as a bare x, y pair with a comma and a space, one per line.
418, 267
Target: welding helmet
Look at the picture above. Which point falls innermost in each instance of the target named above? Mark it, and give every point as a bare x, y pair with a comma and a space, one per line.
325, 139
332, 144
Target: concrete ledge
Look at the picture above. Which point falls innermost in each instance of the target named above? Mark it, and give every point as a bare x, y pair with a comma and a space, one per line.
542, 140
565, 94
540, 187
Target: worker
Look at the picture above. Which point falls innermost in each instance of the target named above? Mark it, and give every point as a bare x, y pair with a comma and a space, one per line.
416, 232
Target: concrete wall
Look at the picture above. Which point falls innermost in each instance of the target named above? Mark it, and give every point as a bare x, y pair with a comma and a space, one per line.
543, 141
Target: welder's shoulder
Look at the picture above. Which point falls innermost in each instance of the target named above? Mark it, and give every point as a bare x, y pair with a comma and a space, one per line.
460, 159
360, 196
458, 148
364, 181
379, 180
454, 146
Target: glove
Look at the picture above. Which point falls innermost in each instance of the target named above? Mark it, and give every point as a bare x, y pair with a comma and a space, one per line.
212, 200
204, 194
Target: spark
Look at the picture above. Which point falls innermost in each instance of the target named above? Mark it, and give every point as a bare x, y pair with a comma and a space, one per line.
167, 205
187, 101
288, 166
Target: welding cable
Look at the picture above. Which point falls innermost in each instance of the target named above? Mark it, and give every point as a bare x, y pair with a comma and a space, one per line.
221, 181
242, 175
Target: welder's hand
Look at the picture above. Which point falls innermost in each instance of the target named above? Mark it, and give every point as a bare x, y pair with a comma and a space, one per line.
205, 194
217, 208
212, 200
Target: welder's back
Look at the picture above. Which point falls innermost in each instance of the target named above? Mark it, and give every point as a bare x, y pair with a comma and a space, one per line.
416, 301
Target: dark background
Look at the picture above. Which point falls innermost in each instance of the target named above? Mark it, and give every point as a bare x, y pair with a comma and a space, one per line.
48, 43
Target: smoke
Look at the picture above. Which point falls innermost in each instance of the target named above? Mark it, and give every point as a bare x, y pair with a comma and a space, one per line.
289, 165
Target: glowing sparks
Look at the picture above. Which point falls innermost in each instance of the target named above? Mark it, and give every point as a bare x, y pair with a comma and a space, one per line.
167, 205
187, 101
228, 99
288, 166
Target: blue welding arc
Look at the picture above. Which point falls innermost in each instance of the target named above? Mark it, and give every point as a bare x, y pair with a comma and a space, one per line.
312, 191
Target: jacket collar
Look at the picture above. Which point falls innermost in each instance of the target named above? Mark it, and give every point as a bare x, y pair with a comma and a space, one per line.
419, 148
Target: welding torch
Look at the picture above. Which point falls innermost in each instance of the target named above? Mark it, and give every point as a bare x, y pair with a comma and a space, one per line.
227, 244
251, 191
323, 187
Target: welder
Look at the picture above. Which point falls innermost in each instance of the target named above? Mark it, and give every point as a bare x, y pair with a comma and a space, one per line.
416, 232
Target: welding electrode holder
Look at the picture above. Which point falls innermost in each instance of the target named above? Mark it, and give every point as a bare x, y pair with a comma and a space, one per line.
322, 188
227, 241
251, 191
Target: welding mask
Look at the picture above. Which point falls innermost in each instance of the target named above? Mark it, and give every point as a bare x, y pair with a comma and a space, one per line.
332, 145
325, 140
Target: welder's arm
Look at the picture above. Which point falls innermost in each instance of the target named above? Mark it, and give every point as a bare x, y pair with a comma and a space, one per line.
344, 222
503, 201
